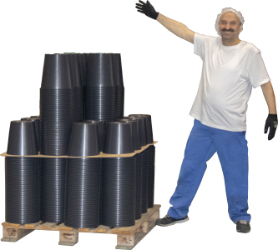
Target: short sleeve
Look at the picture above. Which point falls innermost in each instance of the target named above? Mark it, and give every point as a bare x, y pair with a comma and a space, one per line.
202, 43
257, 71
199, 48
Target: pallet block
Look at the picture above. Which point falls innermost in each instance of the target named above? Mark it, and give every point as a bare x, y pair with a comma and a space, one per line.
127, 237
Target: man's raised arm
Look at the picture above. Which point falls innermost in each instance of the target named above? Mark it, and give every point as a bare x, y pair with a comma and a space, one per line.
177, 28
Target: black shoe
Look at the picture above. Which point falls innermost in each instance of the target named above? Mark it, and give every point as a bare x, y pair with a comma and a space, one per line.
243, 226
168, 221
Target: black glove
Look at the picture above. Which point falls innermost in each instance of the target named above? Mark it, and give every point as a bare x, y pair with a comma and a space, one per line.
147, 9
271, 122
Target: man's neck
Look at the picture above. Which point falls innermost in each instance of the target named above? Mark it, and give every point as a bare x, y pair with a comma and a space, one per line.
230, 42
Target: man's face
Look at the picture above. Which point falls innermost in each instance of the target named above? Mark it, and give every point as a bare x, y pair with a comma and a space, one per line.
229, 26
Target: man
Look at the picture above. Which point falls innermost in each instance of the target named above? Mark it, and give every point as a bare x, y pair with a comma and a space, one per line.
231, 68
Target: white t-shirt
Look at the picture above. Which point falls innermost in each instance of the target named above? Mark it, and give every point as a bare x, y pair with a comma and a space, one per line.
228, 75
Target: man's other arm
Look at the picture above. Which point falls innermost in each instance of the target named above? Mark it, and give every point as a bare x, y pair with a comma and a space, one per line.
269, 97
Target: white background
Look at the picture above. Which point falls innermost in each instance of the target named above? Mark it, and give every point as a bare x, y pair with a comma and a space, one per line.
161, 77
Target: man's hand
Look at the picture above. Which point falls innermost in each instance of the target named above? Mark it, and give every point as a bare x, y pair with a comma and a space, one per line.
271, 122
147, 9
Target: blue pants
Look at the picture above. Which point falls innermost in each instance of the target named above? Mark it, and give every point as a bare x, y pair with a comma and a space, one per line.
232, 151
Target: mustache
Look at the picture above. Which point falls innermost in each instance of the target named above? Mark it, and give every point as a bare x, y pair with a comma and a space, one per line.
227, 30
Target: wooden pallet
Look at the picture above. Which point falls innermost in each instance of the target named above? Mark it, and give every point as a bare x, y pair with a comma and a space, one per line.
127, 237
101, 154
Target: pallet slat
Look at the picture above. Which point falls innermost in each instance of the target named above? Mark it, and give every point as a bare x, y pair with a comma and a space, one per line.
102, 229
83, 229
6, 224
33, 225
47, 226
63, 227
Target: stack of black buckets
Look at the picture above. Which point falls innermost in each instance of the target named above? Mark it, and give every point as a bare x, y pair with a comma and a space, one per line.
81, 115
